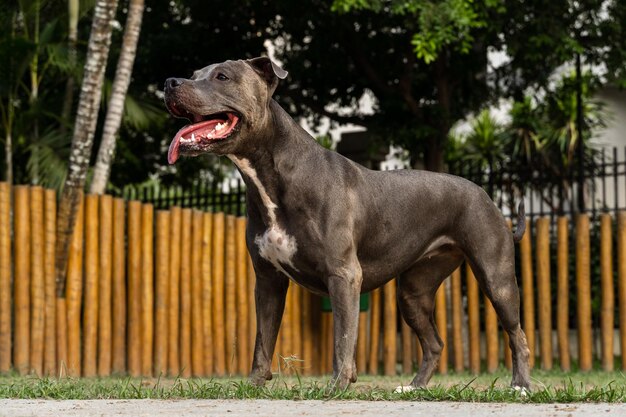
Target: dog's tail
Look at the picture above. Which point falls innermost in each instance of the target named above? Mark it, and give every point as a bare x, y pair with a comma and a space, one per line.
521, 223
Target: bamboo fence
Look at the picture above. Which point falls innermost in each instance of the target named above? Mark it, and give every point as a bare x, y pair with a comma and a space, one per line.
155, 292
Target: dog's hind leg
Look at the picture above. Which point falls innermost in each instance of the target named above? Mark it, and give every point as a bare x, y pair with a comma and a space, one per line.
416, 299
496, 277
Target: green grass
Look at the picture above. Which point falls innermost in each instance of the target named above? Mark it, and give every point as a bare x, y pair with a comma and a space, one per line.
547, 387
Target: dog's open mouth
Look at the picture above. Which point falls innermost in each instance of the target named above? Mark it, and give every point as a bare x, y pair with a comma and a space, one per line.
191, 138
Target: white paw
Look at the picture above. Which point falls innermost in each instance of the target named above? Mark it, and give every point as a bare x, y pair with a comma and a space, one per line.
404, 388
521, 390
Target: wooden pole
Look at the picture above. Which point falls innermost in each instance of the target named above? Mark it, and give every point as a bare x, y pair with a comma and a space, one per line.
90, 311
5, 277
207, 291
147, 288
161, 299
361, 345
528, 295
118, 288
105, 343
197, 329
286, 332
583, 292
607, 316
185, 294
50, 337
375, 310
473, 318
491, 337
508, 355
251, 309
389, 330
74, 294
562, 302
544, 302
296, 327
21, 297
307, 334
441, 320
230, 295
621, 282
134, 289
457, 320
173, 349
243, 348
407, 348
218, 295
37, 281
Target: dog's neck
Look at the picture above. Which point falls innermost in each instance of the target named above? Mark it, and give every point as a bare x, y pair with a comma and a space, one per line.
266, 168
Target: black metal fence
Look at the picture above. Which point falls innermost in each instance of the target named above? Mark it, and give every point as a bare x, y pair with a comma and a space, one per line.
226, 196
550, 193
544, 192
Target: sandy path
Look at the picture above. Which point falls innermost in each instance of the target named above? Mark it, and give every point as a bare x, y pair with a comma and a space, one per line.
240, 408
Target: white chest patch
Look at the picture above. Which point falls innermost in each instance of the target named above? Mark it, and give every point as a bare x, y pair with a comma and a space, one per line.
275, 245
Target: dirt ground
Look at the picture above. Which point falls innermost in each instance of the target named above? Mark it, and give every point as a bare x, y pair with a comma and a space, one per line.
240, 408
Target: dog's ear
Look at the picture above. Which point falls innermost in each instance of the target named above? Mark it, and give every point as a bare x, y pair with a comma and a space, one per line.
268, 70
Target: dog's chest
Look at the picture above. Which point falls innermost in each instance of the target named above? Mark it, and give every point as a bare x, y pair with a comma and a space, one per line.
274, 245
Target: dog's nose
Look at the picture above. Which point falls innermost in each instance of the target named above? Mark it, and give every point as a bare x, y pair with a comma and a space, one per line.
172, 83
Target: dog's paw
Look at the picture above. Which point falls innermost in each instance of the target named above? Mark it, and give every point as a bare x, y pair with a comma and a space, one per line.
522, 391
404, 388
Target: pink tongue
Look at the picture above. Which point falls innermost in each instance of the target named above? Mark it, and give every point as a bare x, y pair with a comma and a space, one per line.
201, 129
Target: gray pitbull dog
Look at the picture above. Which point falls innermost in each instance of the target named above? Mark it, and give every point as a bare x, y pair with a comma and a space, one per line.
338, 228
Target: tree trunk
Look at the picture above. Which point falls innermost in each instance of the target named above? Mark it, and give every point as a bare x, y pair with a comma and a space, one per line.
434, 153
84, 128
8, 156
116, 102
72, 38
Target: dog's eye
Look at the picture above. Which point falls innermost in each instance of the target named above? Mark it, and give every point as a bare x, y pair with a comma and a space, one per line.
222, 77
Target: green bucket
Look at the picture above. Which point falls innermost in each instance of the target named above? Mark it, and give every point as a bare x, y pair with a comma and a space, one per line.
364, 303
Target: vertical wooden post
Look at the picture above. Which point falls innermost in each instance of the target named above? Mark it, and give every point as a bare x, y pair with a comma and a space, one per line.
607, 316
218, 295
185, 294
74, 294
243, 348
389, 328
491, 337
528, 295
457, 320
197, 329
361, 344
118, 287
375, 311
508, 355
106, 270
207, 291
544, 302
286, 333
473, 318
21, 286
230, 296
251, 307
441, 320
5, 277
296, 327
173, 348
134, 288
50, 337
147, 288
621, 282
407, 347
562, 302
307, 334
583, 292
161, 299
37, 281
90, 312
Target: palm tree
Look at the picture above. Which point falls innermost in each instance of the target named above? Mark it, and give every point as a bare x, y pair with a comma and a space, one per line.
84, 128
118, 94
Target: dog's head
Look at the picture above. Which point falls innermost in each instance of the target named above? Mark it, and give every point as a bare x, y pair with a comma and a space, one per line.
225, 103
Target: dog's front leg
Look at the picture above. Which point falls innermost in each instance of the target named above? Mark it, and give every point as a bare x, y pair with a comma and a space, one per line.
270, 293
344, 294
